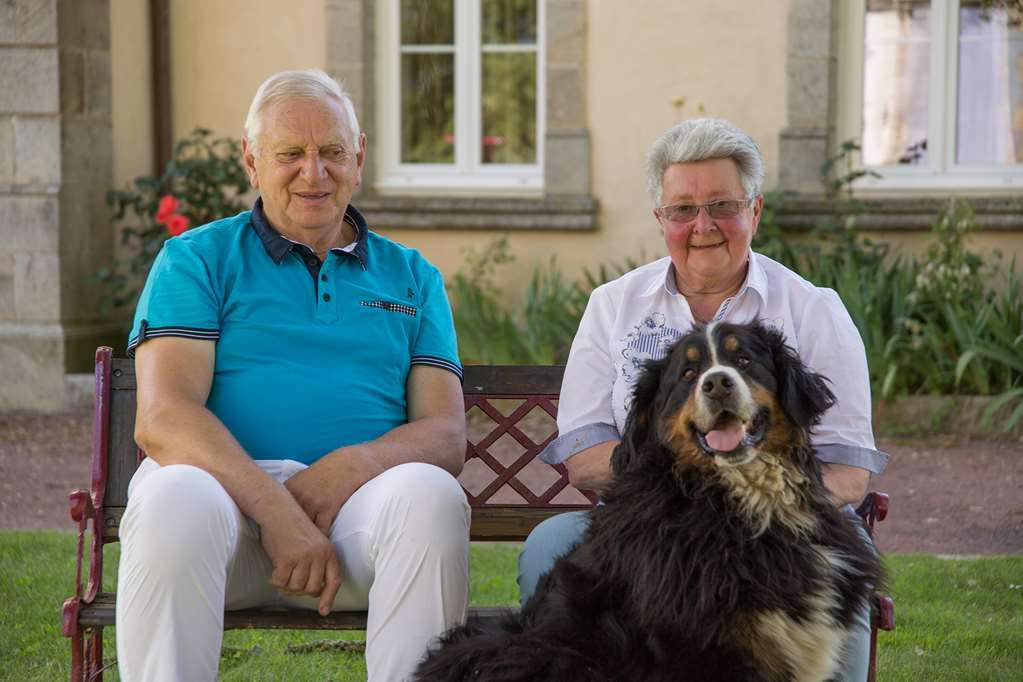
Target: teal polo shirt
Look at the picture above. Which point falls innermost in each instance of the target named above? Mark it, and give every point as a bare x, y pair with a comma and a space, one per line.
310, 356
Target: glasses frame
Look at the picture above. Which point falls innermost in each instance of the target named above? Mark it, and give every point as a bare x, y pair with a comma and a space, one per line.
743, 203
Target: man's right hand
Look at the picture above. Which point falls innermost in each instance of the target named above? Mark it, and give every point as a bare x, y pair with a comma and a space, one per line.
304, 559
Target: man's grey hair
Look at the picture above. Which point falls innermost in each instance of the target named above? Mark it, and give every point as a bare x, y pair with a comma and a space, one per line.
700, 139
311, 84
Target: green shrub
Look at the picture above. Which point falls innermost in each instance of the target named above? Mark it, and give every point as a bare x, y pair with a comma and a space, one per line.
948, 323
539, 327
538, 332
204, 181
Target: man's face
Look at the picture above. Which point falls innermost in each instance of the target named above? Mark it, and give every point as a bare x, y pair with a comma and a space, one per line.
708, 248
305, 165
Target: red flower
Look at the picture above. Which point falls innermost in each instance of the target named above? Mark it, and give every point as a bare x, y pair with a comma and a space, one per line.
168, 205
176, 224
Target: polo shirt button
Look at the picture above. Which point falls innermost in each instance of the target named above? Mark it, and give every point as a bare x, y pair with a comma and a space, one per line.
323, 278
326, 298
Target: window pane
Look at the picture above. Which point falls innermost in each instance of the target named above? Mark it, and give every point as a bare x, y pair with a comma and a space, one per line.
896, 68
427, 108
427, 22
509, 107
508, 22
990, 111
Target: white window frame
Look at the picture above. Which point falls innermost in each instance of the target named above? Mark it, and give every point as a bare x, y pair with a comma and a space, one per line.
467, 175
941, 174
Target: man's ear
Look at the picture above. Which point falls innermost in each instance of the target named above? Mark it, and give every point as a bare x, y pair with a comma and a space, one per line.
360, 158
639, 424
249, 159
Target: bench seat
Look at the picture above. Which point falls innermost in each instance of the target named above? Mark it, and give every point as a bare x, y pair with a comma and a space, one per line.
510, 413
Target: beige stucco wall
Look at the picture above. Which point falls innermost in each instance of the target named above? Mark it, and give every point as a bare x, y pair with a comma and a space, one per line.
724, 59
223, 50
641, 57
131, 90
220, 52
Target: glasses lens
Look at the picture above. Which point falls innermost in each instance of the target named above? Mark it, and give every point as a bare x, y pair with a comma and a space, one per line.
724, 209
680, 213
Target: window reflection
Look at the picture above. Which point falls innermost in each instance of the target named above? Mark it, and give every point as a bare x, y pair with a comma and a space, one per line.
509, 108
427, 108
990, 97
896, 70
427, 81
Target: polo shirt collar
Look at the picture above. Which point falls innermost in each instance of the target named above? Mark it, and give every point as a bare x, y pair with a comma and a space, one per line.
278, 246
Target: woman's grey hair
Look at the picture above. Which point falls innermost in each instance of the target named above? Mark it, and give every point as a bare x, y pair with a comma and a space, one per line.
700, 139
302, 84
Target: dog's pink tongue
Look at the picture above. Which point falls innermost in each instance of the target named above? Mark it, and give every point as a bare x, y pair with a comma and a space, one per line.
725, 440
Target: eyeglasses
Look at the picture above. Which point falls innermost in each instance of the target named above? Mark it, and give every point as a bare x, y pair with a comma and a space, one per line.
686, 213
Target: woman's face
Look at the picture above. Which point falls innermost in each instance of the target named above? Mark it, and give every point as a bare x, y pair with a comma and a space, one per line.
707, 249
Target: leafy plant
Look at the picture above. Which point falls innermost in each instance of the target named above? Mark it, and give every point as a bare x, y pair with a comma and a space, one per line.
840, 171
536, 329
204, 181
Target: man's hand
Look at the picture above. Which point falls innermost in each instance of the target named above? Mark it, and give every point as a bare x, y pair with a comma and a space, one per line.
325, 486
304, 559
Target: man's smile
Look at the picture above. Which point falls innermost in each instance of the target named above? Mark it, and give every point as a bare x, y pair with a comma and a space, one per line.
312, 196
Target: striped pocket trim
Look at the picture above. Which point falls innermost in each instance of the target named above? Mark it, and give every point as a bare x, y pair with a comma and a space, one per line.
390, 306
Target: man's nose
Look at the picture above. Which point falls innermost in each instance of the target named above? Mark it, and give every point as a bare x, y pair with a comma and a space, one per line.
312, 166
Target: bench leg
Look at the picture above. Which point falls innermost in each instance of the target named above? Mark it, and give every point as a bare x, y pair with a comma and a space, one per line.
77, 657
872, 670
94, 655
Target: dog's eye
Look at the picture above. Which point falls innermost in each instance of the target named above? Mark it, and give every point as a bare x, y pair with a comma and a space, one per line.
743, 362
689, 374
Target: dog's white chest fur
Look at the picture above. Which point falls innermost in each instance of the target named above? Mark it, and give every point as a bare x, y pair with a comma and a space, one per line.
812, 648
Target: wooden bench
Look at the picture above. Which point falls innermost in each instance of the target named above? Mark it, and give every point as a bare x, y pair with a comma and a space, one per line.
510, 413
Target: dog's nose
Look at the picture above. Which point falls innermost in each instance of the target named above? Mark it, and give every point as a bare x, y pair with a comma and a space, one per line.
717, 385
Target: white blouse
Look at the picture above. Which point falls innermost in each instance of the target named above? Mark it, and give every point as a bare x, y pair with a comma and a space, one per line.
639, 315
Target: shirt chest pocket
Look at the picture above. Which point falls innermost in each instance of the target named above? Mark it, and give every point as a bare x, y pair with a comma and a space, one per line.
387, 325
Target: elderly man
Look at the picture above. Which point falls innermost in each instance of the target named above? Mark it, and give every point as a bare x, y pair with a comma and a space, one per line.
300, 403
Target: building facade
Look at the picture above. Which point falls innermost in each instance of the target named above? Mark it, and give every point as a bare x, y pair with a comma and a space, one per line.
525, 118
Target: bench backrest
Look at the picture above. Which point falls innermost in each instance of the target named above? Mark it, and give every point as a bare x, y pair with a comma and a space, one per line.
510, 413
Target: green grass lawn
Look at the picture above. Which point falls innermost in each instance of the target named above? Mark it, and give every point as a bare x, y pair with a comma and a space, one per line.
958, 619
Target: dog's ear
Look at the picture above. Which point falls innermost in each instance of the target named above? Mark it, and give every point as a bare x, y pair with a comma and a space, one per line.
804, 395
641, 415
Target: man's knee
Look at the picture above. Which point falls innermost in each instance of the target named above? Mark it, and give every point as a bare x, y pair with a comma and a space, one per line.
176, 513
422, 501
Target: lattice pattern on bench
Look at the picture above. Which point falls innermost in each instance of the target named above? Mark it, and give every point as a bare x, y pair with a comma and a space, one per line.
504, 437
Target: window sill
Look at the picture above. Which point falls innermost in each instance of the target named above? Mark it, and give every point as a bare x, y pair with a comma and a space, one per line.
803, 213
575, 213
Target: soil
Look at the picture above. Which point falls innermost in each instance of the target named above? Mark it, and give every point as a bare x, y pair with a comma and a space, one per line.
949, 495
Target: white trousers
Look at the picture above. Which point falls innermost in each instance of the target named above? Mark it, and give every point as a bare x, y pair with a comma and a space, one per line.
188, 553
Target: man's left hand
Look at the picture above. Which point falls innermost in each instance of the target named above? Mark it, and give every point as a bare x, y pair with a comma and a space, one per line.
325, 486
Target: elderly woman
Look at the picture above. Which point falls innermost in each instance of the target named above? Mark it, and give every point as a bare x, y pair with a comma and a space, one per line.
705, 178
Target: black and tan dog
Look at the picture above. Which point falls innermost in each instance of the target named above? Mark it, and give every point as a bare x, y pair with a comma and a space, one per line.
718, 554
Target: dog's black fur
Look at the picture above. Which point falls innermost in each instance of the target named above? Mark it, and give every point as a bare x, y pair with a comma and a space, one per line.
702, 564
